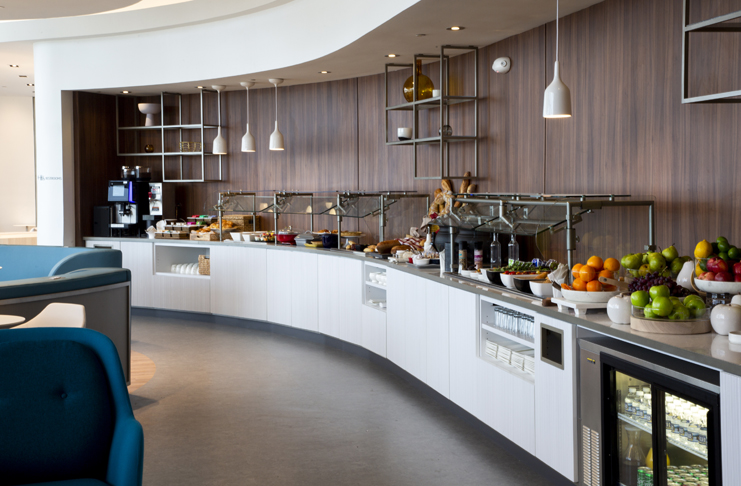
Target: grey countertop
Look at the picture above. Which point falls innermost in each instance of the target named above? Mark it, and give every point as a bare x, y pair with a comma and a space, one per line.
709, 349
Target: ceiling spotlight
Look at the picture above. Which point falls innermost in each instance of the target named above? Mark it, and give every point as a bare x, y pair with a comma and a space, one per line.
14, 66
325, 72
125, 92
392, 55
199, 87
456, 27
31, 84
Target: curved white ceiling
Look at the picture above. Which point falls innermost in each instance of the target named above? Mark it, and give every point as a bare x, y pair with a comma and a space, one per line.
47, 9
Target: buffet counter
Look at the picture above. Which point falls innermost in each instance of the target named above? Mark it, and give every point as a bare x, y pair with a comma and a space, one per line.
441, 330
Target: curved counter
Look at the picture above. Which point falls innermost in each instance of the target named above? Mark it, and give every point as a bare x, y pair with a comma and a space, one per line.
435, 328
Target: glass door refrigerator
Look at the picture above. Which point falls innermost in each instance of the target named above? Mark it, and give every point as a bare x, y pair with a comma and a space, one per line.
647, 419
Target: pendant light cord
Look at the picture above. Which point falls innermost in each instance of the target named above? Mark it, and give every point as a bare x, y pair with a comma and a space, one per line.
557, 30
276, 104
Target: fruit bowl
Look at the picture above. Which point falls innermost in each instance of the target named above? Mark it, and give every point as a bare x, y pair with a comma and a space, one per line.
640, 313
588, 297
721, 276
713, 287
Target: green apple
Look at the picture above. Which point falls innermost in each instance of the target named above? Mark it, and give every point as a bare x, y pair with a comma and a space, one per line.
696, 306
640, 298
676, 301
680, 313
670, 254
692, 297
656, 262
659, 291
644, 270
662, 306
648, 313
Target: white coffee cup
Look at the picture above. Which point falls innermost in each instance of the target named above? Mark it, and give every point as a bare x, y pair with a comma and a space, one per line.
404, 133
436, 93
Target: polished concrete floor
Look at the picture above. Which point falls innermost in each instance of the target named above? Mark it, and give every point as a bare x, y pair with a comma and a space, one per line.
234, 406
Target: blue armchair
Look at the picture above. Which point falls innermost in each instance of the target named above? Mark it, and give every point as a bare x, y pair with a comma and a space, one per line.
65, 414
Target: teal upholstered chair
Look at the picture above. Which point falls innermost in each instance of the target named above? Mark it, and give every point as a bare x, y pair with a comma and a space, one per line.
65, 414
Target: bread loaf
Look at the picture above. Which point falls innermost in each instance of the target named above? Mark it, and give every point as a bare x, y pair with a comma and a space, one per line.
369, 249
437, 193
400, 247
386, 246
471, 189
447, 185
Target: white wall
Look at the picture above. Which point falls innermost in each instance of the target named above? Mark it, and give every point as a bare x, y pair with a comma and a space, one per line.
289, 34
17, 180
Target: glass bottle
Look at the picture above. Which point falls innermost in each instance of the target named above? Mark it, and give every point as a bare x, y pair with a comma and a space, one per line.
628, 409
425, 85
462, 256
632, 458
513, 250
478, 254
495, 252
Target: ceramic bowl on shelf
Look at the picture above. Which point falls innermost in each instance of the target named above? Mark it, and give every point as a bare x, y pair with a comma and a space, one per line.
542, 288
522, 284
584, 297
494, 277
734, 337
420, 262
508, 280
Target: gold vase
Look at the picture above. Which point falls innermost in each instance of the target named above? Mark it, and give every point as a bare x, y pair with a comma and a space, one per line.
425, 85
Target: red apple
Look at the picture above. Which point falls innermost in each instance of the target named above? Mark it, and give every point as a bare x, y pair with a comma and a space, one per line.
723, 277
737, 268
737, 278
707, 276
716, 265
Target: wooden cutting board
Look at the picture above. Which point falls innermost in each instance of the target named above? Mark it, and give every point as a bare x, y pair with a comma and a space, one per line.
692, 326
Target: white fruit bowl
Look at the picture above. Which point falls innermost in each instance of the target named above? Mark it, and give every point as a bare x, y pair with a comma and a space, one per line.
713, 287
584, 297
541, 288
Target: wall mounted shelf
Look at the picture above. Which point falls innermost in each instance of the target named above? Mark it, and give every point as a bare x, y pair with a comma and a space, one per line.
180, 126
443, 103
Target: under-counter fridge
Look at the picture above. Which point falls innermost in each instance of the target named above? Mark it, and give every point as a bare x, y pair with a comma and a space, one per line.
646, 418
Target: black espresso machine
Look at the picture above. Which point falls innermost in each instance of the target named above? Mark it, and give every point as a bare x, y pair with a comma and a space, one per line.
129, 211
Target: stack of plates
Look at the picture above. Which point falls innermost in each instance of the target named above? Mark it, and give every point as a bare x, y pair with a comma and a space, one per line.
504, 354
528, 365
517, 360
491, 349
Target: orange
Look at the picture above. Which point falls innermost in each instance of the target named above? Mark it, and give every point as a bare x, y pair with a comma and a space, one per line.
595, 262
612, 265
587, 273
579, 285
594, 286
566, 286
575, 270
606, 274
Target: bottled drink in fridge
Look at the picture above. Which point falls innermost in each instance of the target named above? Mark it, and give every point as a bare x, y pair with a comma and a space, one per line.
632, 458
513, 250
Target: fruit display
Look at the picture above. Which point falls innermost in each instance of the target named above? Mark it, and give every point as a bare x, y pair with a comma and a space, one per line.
658, 303
654, 279
667, 263
719, 261
586, 276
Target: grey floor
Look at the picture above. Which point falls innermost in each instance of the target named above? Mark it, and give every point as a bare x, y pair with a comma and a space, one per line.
233, 406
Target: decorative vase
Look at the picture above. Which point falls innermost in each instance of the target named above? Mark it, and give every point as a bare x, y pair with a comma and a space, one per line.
424, 89
149, 148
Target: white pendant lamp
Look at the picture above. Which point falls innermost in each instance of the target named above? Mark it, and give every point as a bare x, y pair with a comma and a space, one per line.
557, 99
219, 141
248, 141
276, 138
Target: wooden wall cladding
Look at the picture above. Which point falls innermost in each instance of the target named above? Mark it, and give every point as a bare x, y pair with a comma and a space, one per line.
630, 134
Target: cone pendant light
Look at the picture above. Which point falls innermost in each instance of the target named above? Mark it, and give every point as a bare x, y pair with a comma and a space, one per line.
557, 99
276, 138
248, 141
219, 142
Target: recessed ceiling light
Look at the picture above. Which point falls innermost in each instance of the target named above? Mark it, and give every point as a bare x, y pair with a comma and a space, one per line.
14, 66
30, 84
456, 27
125, 92
199, 87
325, 72
392, 55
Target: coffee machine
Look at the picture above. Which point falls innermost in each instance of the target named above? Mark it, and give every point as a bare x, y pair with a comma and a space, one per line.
130, 209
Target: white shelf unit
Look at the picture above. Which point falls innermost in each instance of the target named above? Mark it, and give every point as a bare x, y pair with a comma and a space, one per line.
165, 256
373, 290
490, 332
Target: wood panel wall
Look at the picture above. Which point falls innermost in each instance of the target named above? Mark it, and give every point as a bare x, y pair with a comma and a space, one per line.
630, 134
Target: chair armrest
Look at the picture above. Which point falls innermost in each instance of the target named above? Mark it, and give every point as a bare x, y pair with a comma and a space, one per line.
126, 460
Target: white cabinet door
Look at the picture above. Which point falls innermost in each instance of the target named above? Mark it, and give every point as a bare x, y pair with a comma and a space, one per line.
730, 417
555, 403
329, 302
304, 291
414, 326
436, 337
182, 293
238, 282
138, 257
374, 330
395, 316
462, 322
279, 295
350, 298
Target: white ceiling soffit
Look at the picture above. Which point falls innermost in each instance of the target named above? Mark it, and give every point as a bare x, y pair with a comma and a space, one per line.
47, 9
152, 15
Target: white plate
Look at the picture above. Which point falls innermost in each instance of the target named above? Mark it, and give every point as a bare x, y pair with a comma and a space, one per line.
713, 287
588, 297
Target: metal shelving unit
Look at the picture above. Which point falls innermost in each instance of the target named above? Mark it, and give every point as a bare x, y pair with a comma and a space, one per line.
443, 103
533, 214
180, 127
